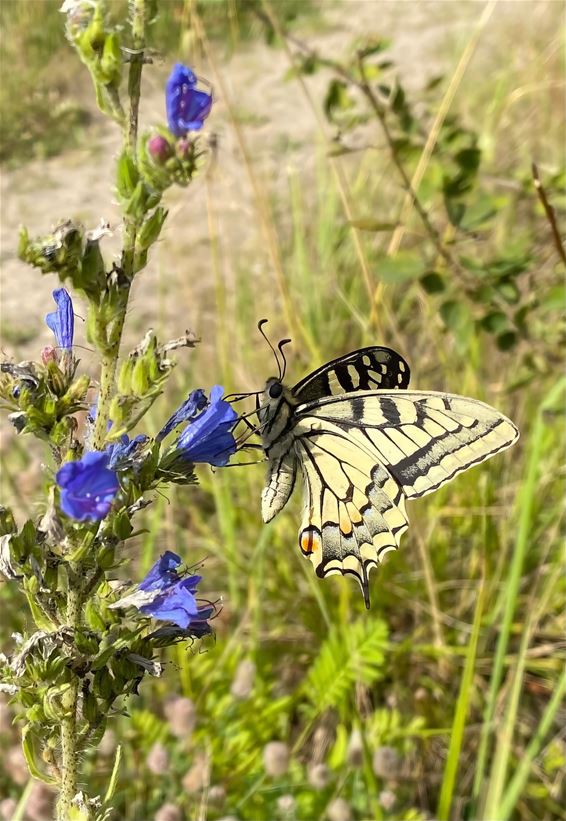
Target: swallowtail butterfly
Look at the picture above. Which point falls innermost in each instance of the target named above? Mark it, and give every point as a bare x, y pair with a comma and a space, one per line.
363, 444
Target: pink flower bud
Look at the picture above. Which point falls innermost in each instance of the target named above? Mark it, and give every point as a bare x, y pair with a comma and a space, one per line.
183, 148
159, 148
48, 354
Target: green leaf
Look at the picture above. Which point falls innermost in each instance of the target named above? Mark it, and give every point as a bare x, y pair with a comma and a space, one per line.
455, 209
506, 340
454, 314
494, 322
33, 757
127, 176
151, 228
337, 99
351, 654
508, 291
403, 267
433, 283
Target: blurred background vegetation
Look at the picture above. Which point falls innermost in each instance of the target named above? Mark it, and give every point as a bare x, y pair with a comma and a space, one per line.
445, 700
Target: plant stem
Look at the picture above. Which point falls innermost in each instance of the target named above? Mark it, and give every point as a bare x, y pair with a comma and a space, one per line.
111, 350
69, 752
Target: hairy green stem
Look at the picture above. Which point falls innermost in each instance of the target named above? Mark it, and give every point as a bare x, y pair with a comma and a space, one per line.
110, 349
69, 751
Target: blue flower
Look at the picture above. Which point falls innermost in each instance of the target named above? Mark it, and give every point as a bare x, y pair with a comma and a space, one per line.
168, 596
121, 453
88, 487
186, 107
208, 438
190, 407
62, 321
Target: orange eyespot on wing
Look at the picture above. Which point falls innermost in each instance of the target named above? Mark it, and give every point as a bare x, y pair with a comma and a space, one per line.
309, 540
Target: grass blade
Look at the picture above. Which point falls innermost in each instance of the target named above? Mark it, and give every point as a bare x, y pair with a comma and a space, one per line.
519, 779
525, 503
459, 723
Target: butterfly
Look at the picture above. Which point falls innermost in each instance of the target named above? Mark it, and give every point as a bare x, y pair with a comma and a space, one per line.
363, 444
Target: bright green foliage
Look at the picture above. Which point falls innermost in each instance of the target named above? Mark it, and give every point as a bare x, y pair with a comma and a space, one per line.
348, 655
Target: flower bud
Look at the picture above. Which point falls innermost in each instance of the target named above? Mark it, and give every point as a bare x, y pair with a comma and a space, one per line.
318, 776
355, 754
157, 760
183, 148
48, 354
56, 379
181, 715
159, 148
169, 812
217, 795
387, 799
286, 805
196, 779
276, 758
339, 810
386, 762
243, 682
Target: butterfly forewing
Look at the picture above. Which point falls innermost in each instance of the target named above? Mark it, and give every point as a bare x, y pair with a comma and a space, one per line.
423, 439
373, 368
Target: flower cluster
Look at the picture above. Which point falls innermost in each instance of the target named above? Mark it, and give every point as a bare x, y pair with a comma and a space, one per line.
84, 656
172, 155
167, 595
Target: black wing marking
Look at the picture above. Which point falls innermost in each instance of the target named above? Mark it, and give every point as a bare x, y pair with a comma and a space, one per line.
373, 368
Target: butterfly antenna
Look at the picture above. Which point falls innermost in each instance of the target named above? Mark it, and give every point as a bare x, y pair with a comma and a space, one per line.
260, 325
283, 357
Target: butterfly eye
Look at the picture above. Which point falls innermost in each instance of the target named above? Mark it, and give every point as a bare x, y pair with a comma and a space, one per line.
275, 390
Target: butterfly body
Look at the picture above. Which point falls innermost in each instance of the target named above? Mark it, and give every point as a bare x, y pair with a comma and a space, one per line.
363, 444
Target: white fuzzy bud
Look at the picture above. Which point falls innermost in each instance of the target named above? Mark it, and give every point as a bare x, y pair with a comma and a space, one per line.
181, 714
243, 682
169, 812
339, 810
276, 758
157, 760
386, 762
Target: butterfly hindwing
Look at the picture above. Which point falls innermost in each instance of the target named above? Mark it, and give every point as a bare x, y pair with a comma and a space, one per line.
354, 511
374, 368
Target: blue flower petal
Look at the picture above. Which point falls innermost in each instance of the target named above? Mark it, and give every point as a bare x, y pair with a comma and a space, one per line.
88, 487
62, 321
121, 453
176, 604
195, 402
187, 108
162, 573
208, 438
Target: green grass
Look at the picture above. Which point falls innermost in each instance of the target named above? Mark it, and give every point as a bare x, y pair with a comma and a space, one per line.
459, 664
